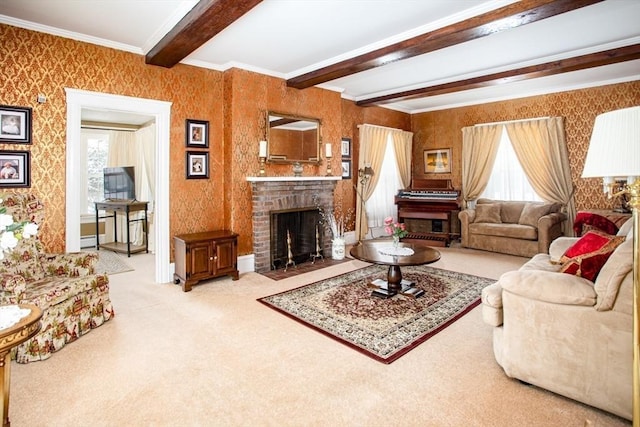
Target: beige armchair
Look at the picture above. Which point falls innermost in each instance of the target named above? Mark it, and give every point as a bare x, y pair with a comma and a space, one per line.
565, 333
72, 297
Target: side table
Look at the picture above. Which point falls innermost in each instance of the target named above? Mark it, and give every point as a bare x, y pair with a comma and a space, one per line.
126, 207
10, 337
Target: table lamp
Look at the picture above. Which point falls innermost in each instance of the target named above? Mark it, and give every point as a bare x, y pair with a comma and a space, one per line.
614, 151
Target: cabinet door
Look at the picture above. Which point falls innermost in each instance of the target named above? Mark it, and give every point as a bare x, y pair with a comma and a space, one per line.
226, 257
201, 260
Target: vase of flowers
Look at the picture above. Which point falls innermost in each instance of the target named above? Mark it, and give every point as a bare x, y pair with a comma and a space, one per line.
11, 232
396, 230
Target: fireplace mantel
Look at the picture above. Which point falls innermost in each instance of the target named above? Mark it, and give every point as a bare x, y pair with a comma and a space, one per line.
292, 178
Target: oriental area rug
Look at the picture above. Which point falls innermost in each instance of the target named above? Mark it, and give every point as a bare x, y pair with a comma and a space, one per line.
343, 308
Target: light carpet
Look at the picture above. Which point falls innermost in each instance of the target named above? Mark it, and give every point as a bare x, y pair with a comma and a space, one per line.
343, 308
217, 357
111, 263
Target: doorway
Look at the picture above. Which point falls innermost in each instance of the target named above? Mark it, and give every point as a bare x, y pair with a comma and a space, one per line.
77, 100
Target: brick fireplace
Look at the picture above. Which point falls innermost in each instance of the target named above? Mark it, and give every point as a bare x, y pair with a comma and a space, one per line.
272, 194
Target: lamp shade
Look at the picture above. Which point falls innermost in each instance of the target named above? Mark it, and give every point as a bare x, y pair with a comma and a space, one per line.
614, 150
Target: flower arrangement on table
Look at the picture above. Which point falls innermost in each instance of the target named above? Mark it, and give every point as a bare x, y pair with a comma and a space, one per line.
397, 230
11, 232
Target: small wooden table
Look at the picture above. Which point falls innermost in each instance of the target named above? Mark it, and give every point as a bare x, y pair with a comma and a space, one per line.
126, 207
370, 252
10, 337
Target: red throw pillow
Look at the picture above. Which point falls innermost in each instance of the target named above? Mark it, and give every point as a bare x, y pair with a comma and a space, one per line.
589, 254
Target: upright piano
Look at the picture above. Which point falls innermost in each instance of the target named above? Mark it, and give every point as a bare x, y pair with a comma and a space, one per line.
429, 208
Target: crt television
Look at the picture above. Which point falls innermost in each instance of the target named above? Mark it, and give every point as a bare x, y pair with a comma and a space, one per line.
119, 183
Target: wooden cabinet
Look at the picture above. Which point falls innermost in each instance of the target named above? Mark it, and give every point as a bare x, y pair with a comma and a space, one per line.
202, 256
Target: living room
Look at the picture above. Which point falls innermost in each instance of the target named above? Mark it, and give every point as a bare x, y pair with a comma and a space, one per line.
214, 356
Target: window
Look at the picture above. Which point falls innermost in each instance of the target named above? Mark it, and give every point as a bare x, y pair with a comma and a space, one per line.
380, 205
95, 150
508, 181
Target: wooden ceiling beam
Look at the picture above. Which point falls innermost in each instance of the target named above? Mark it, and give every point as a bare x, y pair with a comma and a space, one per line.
511, 16
607, 57
205, 20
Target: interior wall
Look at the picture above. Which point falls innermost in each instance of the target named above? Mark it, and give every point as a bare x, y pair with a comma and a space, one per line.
235, 104
442, 129
248, 97
36, 63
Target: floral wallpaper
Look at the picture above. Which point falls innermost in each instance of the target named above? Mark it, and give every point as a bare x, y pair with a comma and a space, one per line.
442, 129
235, 103
34, 63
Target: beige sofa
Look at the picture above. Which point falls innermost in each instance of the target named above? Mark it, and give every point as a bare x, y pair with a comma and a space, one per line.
516, 228
565, 333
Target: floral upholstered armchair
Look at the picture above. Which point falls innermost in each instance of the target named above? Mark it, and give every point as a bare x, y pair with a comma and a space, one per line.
72, 297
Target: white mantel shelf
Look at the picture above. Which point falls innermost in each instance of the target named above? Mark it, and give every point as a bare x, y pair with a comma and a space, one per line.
292, 178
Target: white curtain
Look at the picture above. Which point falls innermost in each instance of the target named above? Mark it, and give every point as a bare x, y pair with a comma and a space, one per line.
145, 146
374, 143
135, 149
389, 182
508, 180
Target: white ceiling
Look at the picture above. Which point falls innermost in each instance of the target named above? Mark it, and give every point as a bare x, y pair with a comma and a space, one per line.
286, 38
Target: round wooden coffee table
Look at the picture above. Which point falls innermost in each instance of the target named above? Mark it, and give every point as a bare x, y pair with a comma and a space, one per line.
370, 252
11, 336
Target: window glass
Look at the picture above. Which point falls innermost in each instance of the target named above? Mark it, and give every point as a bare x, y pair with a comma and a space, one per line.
97, 150
381, 203
508, 181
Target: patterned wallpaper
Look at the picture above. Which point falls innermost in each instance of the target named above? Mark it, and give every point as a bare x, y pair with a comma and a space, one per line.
442, 129
248, 97
33, 63
235, 104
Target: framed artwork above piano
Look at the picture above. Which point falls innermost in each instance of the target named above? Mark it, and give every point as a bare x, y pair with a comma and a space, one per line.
437, 161
429, 209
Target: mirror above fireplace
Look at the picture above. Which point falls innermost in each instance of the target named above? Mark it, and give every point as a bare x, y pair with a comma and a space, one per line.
293, 139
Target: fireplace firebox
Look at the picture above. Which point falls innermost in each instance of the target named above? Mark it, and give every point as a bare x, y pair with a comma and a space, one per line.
294, 230
279, 193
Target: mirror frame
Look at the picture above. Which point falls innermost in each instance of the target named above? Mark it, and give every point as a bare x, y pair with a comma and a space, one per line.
318, 141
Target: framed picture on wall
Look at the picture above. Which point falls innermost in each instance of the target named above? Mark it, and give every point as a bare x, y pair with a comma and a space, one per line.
197, 133
15, 124
437, 161
345, 148
346, 169
197, 165
15, 169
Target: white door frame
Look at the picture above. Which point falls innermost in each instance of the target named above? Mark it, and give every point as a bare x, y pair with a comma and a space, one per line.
161, 111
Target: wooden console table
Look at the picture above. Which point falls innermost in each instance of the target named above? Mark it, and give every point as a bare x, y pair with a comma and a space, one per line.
124, 207
10, 337
201, 256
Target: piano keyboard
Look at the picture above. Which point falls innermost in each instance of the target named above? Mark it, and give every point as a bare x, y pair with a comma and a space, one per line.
428, 194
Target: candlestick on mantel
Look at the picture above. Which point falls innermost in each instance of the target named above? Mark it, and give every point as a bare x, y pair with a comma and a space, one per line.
262, 152
327, 150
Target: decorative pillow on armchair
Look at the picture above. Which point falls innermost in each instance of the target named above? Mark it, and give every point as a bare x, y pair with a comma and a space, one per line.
589, 254
488, 212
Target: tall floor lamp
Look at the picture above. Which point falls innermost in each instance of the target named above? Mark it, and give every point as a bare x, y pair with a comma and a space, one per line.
364, 176
614, 151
